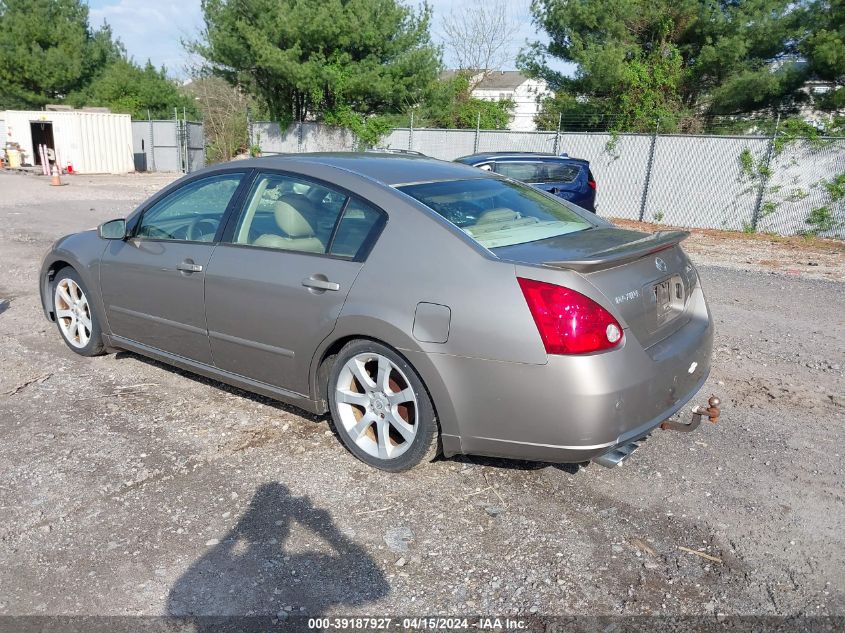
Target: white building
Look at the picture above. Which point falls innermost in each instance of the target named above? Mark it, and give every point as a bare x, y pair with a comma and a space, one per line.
527, 94
91, 142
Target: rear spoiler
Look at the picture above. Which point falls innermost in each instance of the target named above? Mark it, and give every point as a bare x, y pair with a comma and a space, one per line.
623, 253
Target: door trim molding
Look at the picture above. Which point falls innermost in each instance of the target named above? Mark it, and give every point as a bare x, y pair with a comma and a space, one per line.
281, 351
160, 320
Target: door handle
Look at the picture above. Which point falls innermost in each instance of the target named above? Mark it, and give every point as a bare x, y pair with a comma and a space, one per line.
320, 284
189, 267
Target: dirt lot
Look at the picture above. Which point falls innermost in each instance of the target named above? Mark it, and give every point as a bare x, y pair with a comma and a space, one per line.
130, 488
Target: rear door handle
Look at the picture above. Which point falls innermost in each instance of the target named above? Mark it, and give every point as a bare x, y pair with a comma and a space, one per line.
320, 284
189, 267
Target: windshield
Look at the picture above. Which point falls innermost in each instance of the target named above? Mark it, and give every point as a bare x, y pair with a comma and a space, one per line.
497, 212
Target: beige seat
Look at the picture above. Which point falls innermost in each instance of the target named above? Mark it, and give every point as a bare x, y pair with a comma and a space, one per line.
299, 234
497, 215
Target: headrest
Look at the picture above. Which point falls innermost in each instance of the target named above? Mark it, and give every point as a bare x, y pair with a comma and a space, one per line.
497, 215
291, 221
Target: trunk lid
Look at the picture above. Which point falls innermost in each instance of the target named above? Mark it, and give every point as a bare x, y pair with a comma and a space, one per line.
647, 279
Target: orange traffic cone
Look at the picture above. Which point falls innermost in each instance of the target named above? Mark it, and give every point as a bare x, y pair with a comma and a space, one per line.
56, 180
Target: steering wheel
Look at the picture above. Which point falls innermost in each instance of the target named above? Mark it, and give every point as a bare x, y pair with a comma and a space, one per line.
197, 229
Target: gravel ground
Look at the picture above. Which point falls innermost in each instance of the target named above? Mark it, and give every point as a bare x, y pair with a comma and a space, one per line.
127, 487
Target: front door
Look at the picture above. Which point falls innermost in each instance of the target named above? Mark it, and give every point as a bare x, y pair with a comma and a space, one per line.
153, 283
275, 287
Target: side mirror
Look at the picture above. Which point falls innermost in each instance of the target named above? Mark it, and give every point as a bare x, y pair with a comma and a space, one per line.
112, 230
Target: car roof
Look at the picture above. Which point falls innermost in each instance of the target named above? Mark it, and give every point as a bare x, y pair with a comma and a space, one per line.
386, 168
474, 159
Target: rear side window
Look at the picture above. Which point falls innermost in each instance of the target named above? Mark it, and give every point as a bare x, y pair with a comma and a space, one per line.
550, 171
288, 213
358, 226
496, 212
526, 172
561, 172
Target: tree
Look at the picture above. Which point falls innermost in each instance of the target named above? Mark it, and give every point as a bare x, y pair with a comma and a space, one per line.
48, 50
478, 35
672, 60
127, 88
318, 58
450, 104
824, 48
224, 115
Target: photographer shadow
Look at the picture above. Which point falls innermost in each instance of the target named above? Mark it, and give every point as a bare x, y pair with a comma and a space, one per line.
248, 580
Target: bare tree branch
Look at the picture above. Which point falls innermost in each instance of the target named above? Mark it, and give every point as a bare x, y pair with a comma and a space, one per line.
224, 115
478, 34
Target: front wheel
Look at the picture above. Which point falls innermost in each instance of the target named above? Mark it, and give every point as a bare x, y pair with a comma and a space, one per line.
380, 408
75, 317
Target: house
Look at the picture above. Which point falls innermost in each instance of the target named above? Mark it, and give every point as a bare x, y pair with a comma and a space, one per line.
499, 85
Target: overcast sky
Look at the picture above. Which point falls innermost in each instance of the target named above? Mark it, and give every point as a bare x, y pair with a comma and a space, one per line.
153, 29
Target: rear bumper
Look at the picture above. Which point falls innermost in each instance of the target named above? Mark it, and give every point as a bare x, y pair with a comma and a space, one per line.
575, 408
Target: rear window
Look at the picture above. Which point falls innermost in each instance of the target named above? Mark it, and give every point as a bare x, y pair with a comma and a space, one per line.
551, 171
498, 213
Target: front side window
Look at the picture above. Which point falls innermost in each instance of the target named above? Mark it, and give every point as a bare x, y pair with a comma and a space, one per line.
191, 213
496, 212
292, 214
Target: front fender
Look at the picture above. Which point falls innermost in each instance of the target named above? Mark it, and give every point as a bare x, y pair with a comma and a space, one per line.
81, 251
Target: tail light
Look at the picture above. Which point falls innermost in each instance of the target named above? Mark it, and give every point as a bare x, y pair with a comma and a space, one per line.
591, 184
569, 322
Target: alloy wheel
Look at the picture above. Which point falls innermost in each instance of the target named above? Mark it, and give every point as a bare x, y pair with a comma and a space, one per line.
376, 405
73, 313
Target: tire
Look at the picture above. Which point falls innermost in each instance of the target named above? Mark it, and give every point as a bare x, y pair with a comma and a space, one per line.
380, 408
78, 324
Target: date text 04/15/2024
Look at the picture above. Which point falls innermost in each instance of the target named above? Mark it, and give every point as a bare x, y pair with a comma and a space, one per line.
418, 623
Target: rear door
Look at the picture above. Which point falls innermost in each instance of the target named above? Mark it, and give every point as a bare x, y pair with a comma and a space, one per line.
153, 283
276, 284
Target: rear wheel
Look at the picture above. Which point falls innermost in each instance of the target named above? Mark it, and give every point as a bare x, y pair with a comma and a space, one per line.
75, 317
380, 408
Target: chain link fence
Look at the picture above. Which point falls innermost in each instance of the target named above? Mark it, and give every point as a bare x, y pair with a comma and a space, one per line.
740, 183
172, 145
716, 181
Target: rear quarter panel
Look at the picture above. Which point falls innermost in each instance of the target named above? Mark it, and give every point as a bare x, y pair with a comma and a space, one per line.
422, 258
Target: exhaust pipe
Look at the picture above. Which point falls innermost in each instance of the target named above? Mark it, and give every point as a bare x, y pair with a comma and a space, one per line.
617, 455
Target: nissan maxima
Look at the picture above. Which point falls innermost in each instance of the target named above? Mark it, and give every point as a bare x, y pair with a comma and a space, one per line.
426, 306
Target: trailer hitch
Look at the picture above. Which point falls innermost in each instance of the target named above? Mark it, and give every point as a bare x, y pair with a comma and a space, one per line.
712, 412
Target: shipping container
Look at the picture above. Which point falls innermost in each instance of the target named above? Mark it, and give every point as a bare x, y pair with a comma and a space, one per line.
90, 142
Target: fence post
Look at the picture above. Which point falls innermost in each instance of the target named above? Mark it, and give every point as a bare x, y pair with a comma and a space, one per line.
764, 176
152, 165
178, 148
185, 141
557, 134
477, 133
644, 199
411, 133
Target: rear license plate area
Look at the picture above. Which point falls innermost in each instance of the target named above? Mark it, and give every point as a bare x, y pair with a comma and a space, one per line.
669, 299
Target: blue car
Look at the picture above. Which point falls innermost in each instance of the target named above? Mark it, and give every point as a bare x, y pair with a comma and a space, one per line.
566, 177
